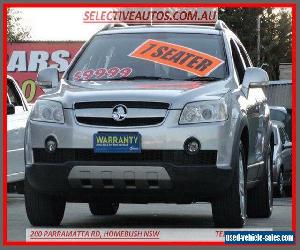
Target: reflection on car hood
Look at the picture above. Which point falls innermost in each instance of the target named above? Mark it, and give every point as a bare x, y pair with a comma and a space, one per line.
177, 93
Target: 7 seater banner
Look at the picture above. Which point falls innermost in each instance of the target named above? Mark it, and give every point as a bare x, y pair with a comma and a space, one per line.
26, 59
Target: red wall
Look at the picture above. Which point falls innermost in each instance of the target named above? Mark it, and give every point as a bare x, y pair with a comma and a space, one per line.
26, 59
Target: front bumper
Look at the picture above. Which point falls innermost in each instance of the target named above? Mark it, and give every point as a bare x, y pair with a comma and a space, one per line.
139, 182
161, 173
169, 135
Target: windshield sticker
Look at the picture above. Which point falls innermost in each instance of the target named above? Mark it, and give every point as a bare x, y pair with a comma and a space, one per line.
100, 73
177, 56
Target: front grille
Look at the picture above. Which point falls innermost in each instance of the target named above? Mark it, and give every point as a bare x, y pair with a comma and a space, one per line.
102, 121
128, 104
137, 113
176, 157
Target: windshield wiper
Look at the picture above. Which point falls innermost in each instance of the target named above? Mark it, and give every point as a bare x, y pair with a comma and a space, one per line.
203, 78
142, 78
134, 78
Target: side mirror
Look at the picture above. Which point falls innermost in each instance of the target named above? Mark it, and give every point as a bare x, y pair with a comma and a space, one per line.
254, 78
287, 144
48, 78
10, 109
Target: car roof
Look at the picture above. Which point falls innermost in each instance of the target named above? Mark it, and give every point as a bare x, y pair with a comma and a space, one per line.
162, 28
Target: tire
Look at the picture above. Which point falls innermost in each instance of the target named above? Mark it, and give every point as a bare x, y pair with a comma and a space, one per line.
11, 188
260, 198
104, 208
288, 191
229, 210
279, 190
20, 187
43, 209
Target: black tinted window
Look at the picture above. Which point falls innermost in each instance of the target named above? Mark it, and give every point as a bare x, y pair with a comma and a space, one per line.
237, 61
13, 94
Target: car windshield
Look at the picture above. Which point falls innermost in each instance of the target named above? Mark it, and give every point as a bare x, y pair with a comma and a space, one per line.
151, 56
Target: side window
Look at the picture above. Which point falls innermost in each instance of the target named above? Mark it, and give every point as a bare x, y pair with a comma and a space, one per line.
238, 62
13, 94
245, 55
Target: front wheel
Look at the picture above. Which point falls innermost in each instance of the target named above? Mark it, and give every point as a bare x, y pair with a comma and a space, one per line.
43, 209
260, 198
229, 210
288, 191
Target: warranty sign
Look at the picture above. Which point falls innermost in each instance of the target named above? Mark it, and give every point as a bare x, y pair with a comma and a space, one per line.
117, 142
177, 56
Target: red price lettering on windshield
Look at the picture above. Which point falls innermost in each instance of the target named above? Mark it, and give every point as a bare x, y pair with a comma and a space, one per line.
125, 72
87, 75
77, 76
112, 72
101, 73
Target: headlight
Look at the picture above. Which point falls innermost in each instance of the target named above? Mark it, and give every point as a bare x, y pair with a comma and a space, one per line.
204, 111
47, 111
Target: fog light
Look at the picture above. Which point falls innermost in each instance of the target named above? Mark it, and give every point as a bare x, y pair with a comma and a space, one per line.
50, 144
192, 146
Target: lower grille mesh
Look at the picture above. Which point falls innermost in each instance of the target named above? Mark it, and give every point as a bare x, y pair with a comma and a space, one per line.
176, 157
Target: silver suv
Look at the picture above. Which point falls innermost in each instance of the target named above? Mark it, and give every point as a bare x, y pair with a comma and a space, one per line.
172, 114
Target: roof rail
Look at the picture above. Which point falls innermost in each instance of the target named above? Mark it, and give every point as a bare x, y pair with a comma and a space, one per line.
113, 25
220, 25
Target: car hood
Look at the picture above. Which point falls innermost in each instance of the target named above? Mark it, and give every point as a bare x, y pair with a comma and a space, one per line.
176, 93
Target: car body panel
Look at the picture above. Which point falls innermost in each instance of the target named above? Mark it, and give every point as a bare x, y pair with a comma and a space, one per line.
16, 124
282, 158
178, 93
245, 109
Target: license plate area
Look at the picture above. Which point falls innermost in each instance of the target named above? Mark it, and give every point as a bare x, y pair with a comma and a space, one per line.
117, 142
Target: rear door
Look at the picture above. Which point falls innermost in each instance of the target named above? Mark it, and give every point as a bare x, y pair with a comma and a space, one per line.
15, 132
252, 109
